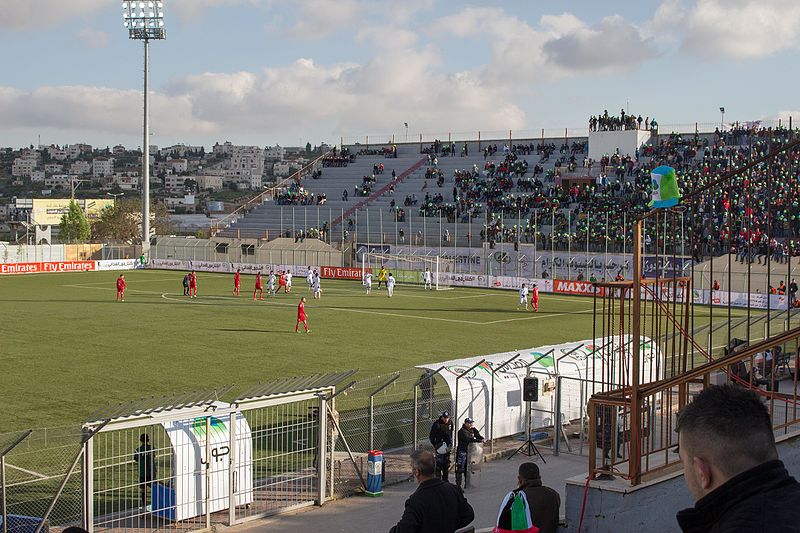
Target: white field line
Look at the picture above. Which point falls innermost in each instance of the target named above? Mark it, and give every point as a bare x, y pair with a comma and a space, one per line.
111, 282
35, 474
167, 296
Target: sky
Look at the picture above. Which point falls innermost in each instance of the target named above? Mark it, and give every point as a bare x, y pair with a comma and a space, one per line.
261, 72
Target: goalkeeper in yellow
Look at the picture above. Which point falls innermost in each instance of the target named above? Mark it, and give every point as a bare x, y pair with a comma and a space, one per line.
382, 276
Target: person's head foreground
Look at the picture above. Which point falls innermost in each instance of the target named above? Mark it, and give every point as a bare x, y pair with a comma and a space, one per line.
725, 431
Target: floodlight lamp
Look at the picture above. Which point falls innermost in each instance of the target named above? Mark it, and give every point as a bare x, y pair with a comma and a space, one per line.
150, 5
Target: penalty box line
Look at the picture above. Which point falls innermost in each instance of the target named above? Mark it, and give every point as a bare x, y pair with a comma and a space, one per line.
168, 296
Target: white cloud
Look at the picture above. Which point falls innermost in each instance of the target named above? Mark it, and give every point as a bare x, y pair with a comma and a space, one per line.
318, 18
281, 103
731, 29
95, 109
35, 14
612, 45
93, 38
559, 46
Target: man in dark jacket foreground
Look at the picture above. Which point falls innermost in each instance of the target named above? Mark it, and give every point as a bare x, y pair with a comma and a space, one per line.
731, 466
436, 506
543, 502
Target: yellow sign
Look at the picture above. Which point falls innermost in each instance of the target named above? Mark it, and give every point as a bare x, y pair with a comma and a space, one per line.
48, 212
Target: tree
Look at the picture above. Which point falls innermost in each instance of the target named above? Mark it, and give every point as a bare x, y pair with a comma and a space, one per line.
308, 148
74, 225
123, 221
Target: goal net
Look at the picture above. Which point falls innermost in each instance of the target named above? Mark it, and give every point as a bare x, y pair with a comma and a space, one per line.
410, 268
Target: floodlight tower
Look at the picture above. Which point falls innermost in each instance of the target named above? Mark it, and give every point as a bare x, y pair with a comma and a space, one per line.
145, 21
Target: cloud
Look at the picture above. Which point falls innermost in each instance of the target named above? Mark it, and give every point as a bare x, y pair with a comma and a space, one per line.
610, 46
559, 46
731, 29
319, 18
37, 14
95, 109
93, 38
280, 103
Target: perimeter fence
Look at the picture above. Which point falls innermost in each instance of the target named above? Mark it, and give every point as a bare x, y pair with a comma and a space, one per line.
190, 461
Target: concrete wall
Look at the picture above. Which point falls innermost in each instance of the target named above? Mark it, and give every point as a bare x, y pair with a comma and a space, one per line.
615, 506
608, 142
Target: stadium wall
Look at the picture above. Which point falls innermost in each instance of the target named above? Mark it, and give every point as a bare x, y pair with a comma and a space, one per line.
617, 506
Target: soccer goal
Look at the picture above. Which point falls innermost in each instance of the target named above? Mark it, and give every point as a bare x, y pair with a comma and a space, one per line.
410, 268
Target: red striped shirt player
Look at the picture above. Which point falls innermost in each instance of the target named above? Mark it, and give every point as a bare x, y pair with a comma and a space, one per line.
193, 285
535, 299
259, 288
121, 288
237, 282
301, 316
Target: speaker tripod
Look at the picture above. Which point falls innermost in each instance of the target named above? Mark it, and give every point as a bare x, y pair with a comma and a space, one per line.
528, 448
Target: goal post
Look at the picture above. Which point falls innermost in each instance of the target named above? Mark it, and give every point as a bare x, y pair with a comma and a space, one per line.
409, 269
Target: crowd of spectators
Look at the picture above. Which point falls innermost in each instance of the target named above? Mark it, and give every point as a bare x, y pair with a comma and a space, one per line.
623, 121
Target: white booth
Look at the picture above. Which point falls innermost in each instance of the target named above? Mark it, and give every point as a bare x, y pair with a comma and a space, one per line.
196, 443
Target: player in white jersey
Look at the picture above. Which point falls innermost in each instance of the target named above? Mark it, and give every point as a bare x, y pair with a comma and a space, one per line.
287, 276
368, 282
427, 279
316, 287
523, 296
271, 284
390, 281
310, 278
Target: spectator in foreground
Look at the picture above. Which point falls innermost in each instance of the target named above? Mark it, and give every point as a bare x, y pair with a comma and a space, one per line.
531, 506
731, 465
436, 506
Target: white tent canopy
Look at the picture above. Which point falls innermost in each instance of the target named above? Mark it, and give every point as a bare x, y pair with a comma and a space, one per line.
579, 363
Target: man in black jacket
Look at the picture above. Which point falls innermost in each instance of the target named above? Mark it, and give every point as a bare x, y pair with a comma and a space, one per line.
466, 436
731, 465
441, 437
436, 506
543, 502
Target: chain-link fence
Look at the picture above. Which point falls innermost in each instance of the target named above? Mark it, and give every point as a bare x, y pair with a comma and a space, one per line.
34, 467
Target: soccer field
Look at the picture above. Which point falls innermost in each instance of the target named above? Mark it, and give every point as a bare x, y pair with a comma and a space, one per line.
69, 349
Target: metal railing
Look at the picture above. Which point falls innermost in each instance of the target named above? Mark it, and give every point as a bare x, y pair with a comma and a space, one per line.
268, 194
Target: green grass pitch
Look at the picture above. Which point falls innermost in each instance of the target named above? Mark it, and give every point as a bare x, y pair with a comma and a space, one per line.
68, 349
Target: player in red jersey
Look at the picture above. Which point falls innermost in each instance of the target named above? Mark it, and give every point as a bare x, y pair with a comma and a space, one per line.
121, 288
192, 285
535, 299
237, 282
259, 288
281, 281
301, 316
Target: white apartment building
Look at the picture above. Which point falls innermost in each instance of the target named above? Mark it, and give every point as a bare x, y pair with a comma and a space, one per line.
283, 169
23, 166
174, 183
58, 180
103, 167
246, 163
59, 154
126, 183
74, 151
181, 150
118, 150
225, 148
79, 168
38, 176
178, 165
274, 153
209, 182
54, 168
185, 201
